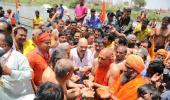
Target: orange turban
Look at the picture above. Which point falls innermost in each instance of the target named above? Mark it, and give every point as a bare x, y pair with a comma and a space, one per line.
42, 37
135, 62
162, 52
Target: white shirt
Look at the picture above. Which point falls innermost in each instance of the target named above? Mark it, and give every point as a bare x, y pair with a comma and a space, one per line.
28, 97
86, 61
17, 84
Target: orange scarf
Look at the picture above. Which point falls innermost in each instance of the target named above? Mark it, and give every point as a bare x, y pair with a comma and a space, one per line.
101, 75
127, 91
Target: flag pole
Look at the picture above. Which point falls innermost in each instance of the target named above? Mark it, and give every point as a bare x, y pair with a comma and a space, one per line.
17, 17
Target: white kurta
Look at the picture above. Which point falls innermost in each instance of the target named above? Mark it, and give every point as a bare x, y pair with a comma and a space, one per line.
86, 61
18, 84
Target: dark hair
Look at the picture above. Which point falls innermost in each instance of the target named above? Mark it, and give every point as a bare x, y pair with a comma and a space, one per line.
2, 13
127, 10
166, 18
111, 14
98, 30
50, 91
99, 41
146, 20
111, 37
8, 39
118, 13
67, 31
101, 32
9, 11
67, 22
73, 22
56, 6
146, 41
93, 10
19, 28
9, 27
73, 42
37, 12
1, 8
122, 40
89, 28
88, 35
63, 33
155, 66
149, 88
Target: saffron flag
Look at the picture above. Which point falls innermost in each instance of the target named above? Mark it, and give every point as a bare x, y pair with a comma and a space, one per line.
103, 11
17, 4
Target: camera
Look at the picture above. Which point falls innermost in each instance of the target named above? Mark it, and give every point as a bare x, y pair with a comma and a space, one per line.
2, 12
49, 10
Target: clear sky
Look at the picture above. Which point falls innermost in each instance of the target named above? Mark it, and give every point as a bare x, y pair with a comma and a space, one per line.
157, 4
151, 4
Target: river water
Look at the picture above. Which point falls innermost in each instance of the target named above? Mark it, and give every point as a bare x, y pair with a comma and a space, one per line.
28, 12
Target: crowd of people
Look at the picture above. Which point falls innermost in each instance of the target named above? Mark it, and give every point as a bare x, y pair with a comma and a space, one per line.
85, 58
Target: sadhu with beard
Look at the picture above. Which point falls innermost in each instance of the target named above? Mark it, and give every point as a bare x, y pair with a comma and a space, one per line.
125, 88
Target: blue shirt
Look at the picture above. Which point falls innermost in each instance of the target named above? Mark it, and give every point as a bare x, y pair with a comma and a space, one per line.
61, 9
144, 72
93, 22
165, 95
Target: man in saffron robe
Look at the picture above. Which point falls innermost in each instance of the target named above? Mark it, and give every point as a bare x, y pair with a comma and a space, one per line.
130, 79
39, 57
103, 71
125, 88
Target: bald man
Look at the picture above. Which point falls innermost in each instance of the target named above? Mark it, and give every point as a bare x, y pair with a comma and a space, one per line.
104, 71
104, 74
41, 24
121, 53
132, 48
82, 57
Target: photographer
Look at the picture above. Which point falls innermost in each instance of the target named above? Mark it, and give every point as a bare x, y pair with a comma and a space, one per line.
53, 16
2, 13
